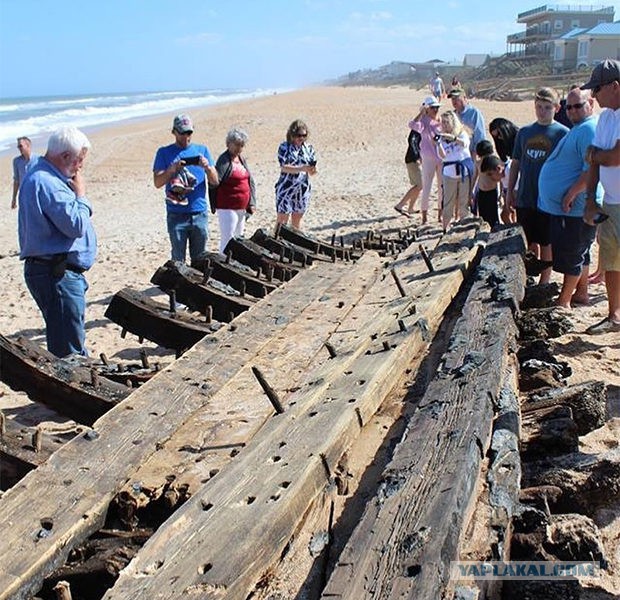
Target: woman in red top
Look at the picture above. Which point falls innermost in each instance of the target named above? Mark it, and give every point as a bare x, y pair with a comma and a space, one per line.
234, 198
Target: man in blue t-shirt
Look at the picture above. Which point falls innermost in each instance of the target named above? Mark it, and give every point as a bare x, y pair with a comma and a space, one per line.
533, 145
562, 194
184, 169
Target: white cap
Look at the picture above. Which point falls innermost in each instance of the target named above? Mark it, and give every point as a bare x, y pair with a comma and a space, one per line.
431, 101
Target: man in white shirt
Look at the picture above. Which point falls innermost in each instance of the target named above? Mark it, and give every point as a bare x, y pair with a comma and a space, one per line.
604, 159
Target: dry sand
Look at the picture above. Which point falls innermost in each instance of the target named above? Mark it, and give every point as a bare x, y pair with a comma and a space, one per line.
360, 137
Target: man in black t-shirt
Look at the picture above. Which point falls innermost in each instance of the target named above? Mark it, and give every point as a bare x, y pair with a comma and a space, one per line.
412, 160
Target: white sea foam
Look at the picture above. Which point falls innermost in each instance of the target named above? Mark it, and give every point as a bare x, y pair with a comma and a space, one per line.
37, 117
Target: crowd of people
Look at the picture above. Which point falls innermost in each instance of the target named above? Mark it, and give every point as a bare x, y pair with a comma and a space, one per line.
561, 184
558, 177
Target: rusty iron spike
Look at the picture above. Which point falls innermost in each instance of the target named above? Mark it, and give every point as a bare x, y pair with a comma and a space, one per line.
269, 391
144, 358
331, 350
427, 260
398, 282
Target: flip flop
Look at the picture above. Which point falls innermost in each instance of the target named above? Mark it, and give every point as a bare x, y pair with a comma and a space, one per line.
402, 211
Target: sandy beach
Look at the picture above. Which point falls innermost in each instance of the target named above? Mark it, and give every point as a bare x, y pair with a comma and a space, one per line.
360, 138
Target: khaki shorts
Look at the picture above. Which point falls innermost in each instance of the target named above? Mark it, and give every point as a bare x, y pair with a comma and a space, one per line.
609, 238
415, 174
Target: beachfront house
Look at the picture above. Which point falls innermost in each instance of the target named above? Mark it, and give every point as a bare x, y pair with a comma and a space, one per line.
548, 23
583, 48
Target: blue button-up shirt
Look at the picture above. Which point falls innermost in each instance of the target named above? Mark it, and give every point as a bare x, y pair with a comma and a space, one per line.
52, 219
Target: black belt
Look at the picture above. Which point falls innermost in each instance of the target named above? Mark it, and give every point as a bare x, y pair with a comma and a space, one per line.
53, 262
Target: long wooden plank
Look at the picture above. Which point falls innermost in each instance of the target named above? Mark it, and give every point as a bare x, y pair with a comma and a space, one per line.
404, 543
74, 487
213, 435
222, 540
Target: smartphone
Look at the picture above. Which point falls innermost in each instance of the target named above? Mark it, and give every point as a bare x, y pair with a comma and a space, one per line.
191, 160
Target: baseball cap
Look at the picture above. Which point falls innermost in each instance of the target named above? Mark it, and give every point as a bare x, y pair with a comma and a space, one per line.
182, 124
547, 95
431, 101
456, 92
603, 73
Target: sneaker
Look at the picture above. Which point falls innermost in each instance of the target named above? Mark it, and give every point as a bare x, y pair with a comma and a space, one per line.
175, 198
177, 186
607, 325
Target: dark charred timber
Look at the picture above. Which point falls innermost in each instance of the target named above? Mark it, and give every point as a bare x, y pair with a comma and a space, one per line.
236, 275
587, 401
147, 318
18, 455
65, 387
290, 251
190, 290
306, 241
549, 432
257, 257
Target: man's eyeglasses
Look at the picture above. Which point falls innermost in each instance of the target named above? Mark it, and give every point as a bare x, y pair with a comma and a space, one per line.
577, 105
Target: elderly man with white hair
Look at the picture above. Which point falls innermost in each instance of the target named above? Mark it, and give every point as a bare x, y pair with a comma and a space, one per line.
57, 240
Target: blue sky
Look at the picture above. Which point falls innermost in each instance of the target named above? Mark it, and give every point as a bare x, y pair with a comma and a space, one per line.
58, 47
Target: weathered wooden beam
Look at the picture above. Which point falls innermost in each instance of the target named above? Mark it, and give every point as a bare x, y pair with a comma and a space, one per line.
191, 291
404, 543
152, 320
59, 383
75, 486
260, 498
289, 250
305, 240
257, 257
235, 275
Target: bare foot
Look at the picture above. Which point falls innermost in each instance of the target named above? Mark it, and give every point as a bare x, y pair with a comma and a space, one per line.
580, 300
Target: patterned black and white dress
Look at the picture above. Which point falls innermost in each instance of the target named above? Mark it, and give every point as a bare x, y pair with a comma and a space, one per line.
293, 189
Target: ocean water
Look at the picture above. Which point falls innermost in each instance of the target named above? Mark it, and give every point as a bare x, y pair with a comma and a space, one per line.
36, 117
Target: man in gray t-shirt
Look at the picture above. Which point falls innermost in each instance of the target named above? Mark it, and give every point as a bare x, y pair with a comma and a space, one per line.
21, 164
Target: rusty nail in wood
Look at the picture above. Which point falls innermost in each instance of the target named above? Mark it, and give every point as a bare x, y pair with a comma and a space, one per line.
331, 350
304, 260
228, 257
140, 339
427, 260
342, 241
386, 345
269, 391
398, 282
209, 313
333, 239
94, 378
263, 291
206, 274
242, 289
123, 333
144, 358
347, 255
173, 301
368, 235
281, 255
362, 247
413, 309
121, 367
258, 272
104, 359
269, 272
401, 325
276, 233
37, 439
334, 257
2, 424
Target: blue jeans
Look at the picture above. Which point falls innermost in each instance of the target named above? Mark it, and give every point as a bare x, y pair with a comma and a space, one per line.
62, 300
184, 228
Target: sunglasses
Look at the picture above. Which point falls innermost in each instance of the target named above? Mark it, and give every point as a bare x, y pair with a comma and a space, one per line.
577, 105
185, 132
301, 135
